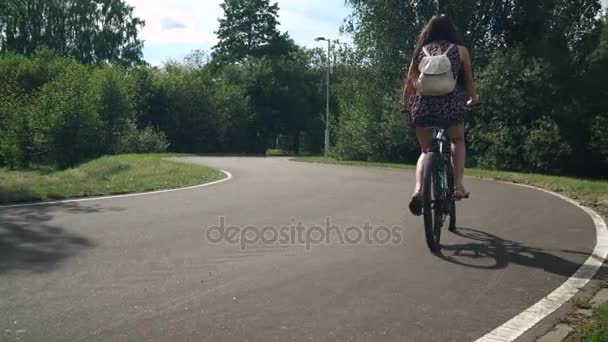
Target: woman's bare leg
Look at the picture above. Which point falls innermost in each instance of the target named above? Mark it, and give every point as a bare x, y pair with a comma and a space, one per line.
456, 133
425, 138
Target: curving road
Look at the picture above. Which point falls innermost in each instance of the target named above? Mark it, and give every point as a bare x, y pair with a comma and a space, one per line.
143, 268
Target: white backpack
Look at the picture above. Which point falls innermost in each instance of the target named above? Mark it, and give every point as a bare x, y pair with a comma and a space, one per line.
436, 77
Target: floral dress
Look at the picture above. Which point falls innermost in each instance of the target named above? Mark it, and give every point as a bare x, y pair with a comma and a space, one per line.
427, 110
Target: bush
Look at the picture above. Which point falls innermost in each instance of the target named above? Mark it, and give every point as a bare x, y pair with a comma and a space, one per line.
514, 89
16, 133
67, 126
356, 136
498, 146
543, 148
599, 145
182, 107
115, 105
147, 140
397, 139
232, 110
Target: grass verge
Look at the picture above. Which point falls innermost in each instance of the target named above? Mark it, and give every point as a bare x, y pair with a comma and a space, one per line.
285, 153
104, 176
592, 193
594, 329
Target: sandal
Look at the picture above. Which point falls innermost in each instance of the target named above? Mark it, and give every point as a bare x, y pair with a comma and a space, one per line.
416, 204
461, 193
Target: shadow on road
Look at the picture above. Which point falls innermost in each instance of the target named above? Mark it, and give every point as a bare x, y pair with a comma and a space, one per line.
487, 251
29, 241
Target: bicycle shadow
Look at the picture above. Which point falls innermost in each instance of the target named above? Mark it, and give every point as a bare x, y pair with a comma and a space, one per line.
490, 252
30, 241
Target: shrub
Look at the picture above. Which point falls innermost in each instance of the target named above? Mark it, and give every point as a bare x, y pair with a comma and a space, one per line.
67, 126
147, 140
16, 133
356, 135
115, 105
543, 148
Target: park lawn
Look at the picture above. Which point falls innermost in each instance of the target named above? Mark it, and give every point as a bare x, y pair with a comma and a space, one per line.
593, 193
104, 176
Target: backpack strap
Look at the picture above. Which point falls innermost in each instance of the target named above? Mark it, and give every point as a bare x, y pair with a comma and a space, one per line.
448, 50
426, 52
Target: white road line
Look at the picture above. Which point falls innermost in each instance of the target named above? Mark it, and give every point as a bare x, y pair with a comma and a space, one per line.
526, 320
76, 200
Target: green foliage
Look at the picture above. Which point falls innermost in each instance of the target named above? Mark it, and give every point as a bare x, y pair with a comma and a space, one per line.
147, 140
599, 137
541, 72
541, 68
248, 29
356, 136
596, 328
16, 136
397, 141
544, 149
230, 101
183, 109
68, 126
499, 132
498, 146
115, 105
92, 31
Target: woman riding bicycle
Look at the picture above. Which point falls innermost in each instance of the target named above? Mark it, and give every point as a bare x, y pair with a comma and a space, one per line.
440, 36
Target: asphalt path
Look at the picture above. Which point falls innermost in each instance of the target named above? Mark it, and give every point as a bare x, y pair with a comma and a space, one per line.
313, 253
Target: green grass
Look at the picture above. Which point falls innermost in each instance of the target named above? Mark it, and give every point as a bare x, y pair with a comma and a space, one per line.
283, 153
103, 176
278, 153
592, 193
594, 329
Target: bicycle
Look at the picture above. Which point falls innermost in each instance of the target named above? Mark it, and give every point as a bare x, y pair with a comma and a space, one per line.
438, 187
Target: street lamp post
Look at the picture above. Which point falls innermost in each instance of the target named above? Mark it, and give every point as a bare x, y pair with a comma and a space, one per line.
328, 73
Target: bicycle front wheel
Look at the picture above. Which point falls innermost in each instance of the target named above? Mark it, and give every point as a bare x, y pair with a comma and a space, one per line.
452, 201
432, 229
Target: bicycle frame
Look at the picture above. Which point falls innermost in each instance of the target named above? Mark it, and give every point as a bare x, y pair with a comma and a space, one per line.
440, 145
438, 188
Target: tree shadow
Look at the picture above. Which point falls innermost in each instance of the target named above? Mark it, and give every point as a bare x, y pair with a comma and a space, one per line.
487, 251
30, 242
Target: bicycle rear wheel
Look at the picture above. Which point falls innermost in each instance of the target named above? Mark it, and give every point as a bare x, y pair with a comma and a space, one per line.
432, 205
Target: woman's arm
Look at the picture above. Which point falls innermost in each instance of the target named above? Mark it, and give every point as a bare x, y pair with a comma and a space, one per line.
468, 74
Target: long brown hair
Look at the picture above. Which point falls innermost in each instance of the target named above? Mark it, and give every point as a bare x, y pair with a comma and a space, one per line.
439, 28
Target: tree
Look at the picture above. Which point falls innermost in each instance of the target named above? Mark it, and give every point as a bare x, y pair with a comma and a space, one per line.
115, 106
92, 31
299, 99
66, 122
248, 29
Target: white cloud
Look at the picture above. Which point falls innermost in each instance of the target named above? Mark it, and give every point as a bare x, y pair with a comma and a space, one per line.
171, 24
198, 20
194, 28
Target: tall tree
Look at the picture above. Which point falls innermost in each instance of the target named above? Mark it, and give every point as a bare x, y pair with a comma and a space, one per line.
90, 30
248, 29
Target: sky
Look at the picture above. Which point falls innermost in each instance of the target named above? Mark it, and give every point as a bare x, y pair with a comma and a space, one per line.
176, 27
